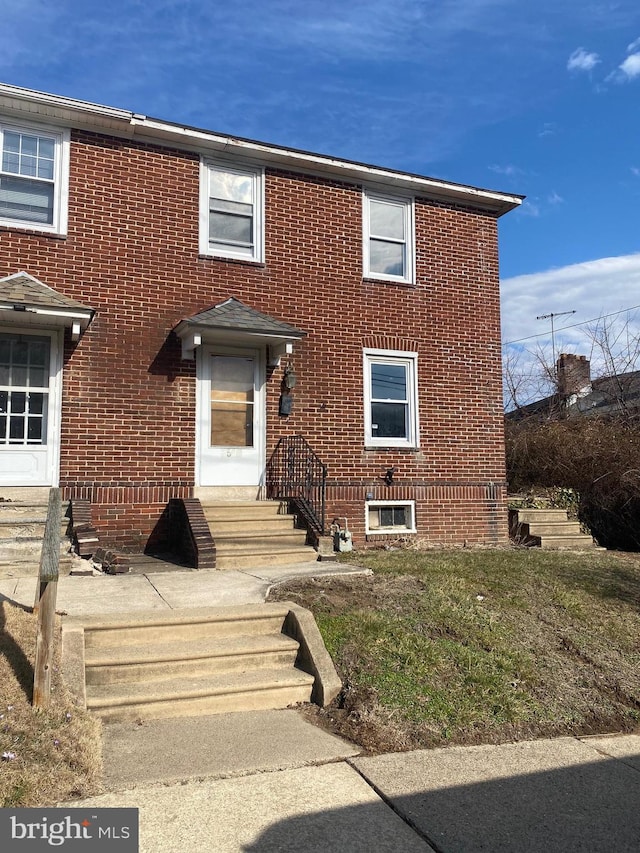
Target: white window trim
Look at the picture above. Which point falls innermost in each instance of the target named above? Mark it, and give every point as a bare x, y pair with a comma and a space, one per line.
62, 138
372, 356
386, 531
257, 174
409, 205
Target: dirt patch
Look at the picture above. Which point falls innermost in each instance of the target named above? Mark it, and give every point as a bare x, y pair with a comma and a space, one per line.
337, 595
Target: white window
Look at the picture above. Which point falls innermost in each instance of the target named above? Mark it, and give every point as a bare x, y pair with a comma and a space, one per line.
391, 398
24, 389
390, 517
231, 211
388, 238
34, 178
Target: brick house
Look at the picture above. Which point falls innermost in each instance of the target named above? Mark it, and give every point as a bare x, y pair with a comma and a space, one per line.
185, 314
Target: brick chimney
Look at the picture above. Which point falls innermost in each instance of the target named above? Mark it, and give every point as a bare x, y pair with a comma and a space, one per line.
574, 375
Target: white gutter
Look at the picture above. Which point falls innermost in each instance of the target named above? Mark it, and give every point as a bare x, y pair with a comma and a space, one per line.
86, 115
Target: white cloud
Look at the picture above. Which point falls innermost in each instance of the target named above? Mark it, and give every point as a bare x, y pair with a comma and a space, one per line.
630, 68
635, 171
582, 60
592, 289
549, 128
530, 207
603, 291
508, 170
554, 198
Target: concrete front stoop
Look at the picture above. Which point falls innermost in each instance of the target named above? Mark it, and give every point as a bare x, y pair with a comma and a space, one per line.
197, 661
22, 524
548, 529
255, 533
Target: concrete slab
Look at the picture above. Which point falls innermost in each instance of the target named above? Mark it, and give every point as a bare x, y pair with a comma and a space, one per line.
208, 588
624, 747
551, 796
312, 568
216, 746
162, 589
328, 809
82, 596
8, 588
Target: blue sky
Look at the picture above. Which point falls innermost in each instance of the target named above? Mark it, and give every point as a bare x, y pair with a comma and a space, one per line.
538, 97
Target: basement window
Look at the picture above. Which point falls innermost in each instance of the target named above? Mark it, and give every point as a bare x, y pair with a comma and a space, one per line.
390, 517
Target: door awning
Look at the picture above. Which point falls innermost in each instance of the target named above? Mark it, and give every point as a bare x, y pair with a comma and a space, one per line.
26, 301
232, 321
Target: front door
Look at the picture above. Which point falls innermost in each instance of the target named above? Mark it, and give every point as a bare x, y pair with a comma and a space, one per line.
29, 408
231, 436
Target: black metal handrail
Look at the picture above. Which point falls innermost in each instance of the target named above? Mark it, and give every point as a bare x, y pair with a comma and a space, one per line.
296, 474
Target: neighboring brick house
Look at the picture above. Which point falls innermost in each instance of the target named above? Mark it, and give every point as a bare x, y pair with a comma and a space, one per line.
174, 301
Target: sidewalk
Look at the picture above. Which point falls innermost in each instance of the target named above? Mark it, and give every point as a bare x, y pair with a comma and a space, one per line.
550, 796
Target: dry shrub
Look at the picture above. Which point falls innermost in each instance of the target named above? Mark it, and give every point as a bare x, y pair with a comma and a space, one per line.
597, 457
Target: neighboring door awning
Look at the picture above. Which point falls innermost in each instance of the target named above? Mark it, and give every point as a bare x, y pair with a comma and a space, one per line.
232, 321
26, 301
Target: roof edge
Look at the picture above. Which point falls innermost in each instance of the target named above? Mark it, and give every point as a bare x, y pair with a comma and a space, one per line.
87, 115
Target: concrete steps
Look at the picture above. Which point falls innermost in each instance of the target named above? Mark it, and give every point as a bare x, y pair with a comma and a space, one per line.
214, 694
255, 533
192, 662
548, 529
152, 662
22, 526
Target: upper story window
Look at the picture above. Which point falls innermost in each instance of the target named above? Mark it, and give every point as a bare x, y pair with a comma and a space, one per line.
231, 212
388, 238
391, 398
34, 175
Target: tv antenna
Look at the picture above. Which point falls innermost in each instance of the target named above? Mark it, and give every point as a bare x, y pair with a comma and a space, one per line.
553, 337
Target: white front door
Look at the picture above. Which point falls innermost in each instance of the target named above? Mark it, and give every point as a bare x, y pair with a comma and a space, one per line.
230, 417
30, 380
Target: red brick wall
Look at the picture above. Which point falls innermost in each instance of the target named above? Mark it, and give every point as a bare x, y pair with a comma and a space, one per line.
129, 401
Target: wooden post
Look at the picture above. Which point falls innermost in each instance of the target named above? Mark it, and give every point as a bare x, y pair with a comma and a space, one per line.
45, 603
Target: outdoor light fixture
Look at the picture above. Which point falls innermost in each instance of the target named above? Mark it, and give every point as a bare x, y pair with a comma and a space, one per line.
290, 378
388, 477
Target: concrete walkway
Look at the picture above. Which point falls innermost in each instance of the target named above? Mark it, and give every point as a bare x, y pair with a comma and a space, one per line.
153, 590
270, 781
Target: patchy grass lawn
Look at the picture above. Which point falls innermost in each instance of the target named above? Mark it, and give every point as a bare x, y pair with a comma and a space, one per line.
47, 755
479, 646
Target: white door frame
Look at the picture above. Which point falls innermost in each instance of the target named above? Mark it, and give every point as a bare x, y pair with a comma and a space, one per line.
209, 462
45, 459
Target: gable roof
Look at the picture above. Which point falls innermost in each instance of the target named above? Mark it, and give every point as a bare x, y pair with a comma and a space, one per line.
234, 315
27, 301
24, 289
233, 322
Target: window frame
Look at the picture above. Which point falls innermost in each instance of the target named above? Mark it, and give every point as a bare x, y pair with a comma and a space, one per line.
408, 206
386, 531
61, 138
410, 361
256, 174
